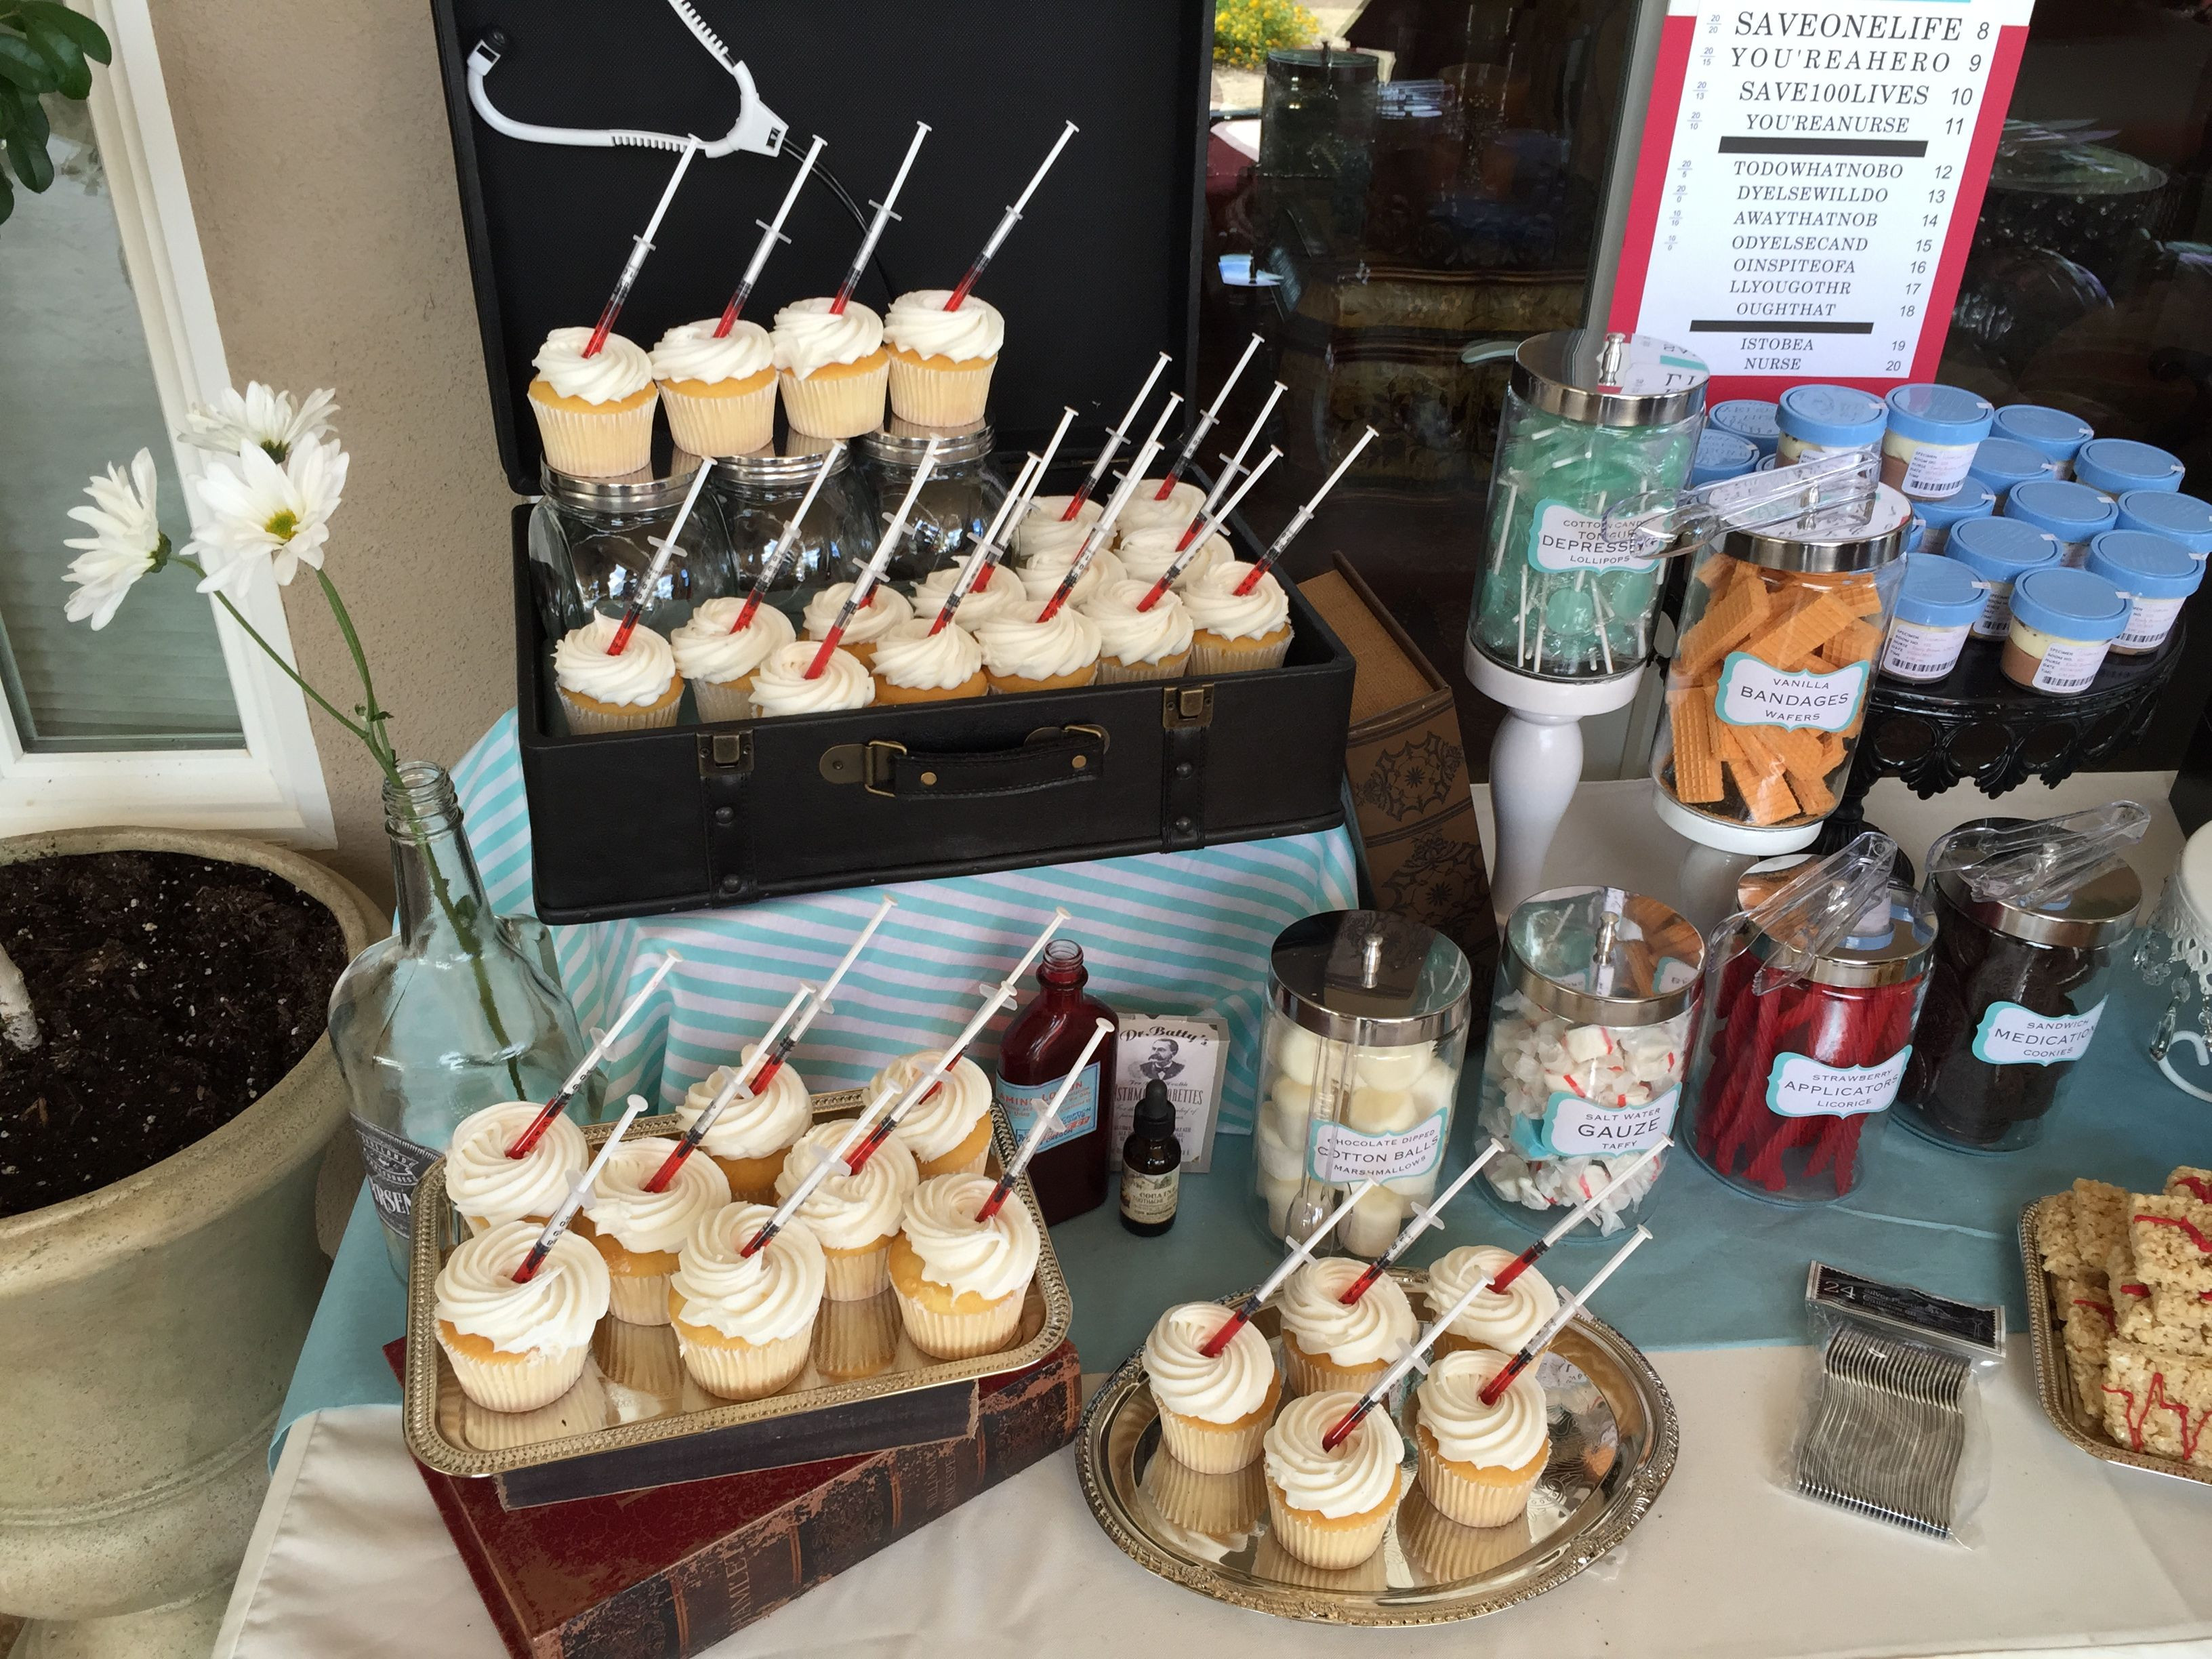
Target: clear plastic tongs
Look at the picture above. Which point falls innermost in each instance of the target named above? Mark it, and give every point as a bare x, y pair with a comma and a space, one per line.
2042, 862
758, 128
1820, 906
1662, 523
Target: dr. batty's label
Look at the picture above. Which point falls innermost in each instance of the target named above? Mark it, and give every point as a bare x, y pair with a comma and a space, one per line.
1079, 1113
1755, 693
1562, 539
395, 1164
1799, 1086
2010, 1034
1574, 1127
1336, 1152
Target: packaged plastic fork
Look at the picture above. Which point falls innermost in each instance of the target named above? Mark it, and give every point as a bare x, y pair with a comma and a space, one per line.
1893, 1426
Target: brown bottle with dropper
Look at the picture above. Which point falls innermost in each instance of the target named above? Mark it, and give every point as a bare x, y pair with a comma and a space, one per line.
1069, 1173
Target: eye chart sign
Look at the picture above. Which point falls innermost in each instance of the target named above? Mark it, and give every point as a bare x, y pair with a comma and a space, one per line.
1810, 175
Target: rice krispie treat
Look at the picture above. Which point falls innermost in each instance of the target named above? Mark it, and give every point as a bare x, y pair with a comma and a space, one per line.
2187, 1182
2100, 1221
2088, 1317
2172, 1243
2055, 1237
2159, 1402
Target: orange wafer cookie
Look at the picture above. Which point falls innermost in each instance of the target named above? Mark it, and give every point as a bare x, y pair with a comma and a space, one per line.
1812, 794
1791, 645
1771, 800
1854, 642
1697, 761
1863, 597
1728, 621
1800, 749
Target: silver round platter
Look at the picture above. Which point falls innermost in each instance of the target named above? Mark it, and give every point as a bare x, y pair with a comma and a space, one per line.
1614, 1437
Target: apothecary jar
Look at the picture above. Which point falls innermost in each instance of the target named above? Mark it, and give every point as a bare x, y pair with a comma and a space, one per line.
956, 504
592, 540
759, 492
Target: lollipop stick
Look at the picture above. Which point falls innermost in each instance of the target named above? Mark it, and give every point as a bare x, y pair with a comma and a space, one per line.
1557, 1322
590, 1063
771, 233
873, 572
883, 216
1046, 1119
1298, 521
663, 553
1575, 1217
1195, 538
1423, 1219
580, 1192
1205, 422
1301, 1252
639, 247
1011, 218
1114, 440
786, 546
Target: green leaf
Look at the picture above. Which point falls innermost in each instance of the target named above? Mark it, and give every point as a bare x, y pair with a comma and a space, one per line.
7, 199
72, 75
25, 65
30, 162
91, 39
23, 113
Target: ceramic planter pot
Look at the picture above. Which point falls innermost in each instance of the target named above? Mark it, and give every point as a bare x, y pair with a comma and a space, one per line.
147, 1329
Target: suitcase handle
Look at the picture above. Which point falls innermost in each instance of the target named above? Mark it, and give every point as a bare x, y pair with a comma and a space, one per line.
1048, 758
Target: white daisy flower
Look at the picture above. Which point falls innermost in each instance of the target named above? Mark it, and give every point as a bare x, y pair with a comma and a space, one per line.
264, 418
253, 511
127, 542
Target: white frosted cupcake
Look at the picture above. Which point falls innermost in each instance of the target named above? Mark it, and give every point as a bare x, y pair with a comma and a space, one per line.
1329, 1508
640, 1232
488, 1187
636, 691
1043, 533
720, 393
751, 1139
515, 1348
1023, 654
961, 1282
834, 369
594, 413
1138, 645
948, 1130
1236, 632
721, 664
745, 1323
885, 609
1002, 597
781, 686
1503, 1320
941, 360
1041, 574
1479, 1463
1146, 554
1329, 1346
1145, 509
1212, 1411
855, 1216
915, 666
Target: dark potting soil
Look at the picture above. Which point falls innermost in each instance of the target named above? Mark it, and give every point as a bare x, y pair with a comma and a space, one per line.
172, 992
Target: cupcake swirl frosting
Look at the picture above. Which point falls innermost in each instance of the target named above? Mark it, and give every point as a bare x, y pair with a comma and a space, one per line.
781, 686
689, 351
1377, 1327
483, 1181
767, 1123
1145, 509
1043, 533
939, 1121
639, 676
911, 655
885, 609
1043, 573
1504, 1319
1132, 635
808, 338
992, 1259
758, 1299
1360, 1475
1215, 604
1233, 1385
618, 370
476, 1294
918, 322
1145, 554
645, 1222
1003, 598
707, 650
1500, 1437
1031, 650
850, 1211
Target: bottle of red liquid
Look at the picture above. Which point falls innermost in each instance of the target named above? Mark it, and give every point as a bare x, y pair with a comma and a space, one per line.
1069, 1172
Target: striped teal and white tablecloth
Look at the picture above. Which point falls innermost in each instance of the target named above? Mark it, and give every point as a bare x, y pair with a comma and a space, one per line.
1162, 933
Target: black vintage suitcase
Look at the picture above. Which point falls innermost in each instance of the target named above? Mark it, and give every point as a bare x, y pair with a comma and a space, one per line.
1100, 276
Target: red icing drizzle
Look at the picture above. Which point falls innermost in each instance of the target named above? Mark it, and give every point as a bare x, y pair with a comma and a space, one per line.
2203, 1189
2139, 1413
2103, 1308
2137, 1290
2185, 1224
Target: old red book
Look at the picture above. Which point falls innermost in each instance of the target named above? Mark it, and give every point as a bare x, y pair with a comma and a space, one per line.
665, 1573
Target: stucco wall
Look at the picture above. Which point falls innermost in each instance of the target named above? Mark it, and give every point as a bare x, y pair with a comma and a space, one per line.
315, 140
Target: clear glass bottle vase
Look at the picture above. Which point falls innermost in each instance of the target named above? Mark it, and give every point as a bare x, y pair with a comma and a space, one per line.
458, 1010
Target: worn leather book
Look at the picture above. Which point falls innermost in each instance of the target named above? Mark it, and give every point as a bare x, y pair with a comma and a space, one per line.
665, 1573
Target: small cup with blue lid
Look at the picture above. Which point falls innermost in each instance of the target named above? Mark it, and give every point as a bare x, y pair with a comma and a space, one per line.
2114, 467
2183, 518
2155, 575
2063, 623
2073, 513
2052, 431
1999, 552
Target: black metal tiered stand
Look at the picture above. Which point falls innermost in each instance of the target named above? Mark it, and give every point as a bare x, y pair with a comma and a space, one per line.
1975, 723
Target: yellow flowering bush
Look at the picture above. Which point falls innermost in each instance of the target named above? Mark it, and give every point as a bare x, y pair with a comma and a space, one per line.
1245, 30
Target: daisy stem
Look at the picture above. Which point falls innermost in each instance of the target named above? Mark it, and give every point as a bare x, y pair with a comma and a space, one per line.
277, 657
376, 716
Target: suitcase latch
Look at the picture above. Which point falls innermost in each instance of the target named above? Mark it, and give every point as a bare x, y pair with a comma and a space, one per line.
726, 751
868, 764
1187, 705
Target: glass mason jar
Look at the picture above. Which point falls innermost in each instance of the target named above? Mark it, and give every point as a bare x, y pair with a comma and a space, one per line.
1796, 1069
1766, 694
955, 507
2013, 1002
760, 492
592, 540
2173, 957
1590, 419
1591, 1028
458, 1010
1366, 1035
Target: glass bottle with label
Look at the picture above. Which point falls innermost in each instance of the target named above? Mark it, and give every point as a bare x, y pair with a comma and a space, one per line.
1591, 1030
1366, 1035
1151, 1164
1068, 1173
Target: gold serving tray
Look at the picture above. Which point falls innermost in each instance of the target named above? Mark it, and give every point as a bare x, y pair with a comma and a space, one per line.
1614, 1436
2053, 1384
635, 1394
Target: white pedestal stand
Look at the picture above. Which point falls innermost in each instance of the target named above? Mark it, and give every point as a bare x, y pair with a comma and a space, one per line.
1535, 764
1719, 854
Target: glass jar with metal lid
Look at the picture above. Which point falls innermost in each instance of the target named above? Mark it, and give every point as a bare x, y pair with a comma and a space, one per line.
1590, 419
1366, 1034
956, 506
1766, 694
759, 492
1591, 1030
1796, 1068
2015, 996
592, 540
